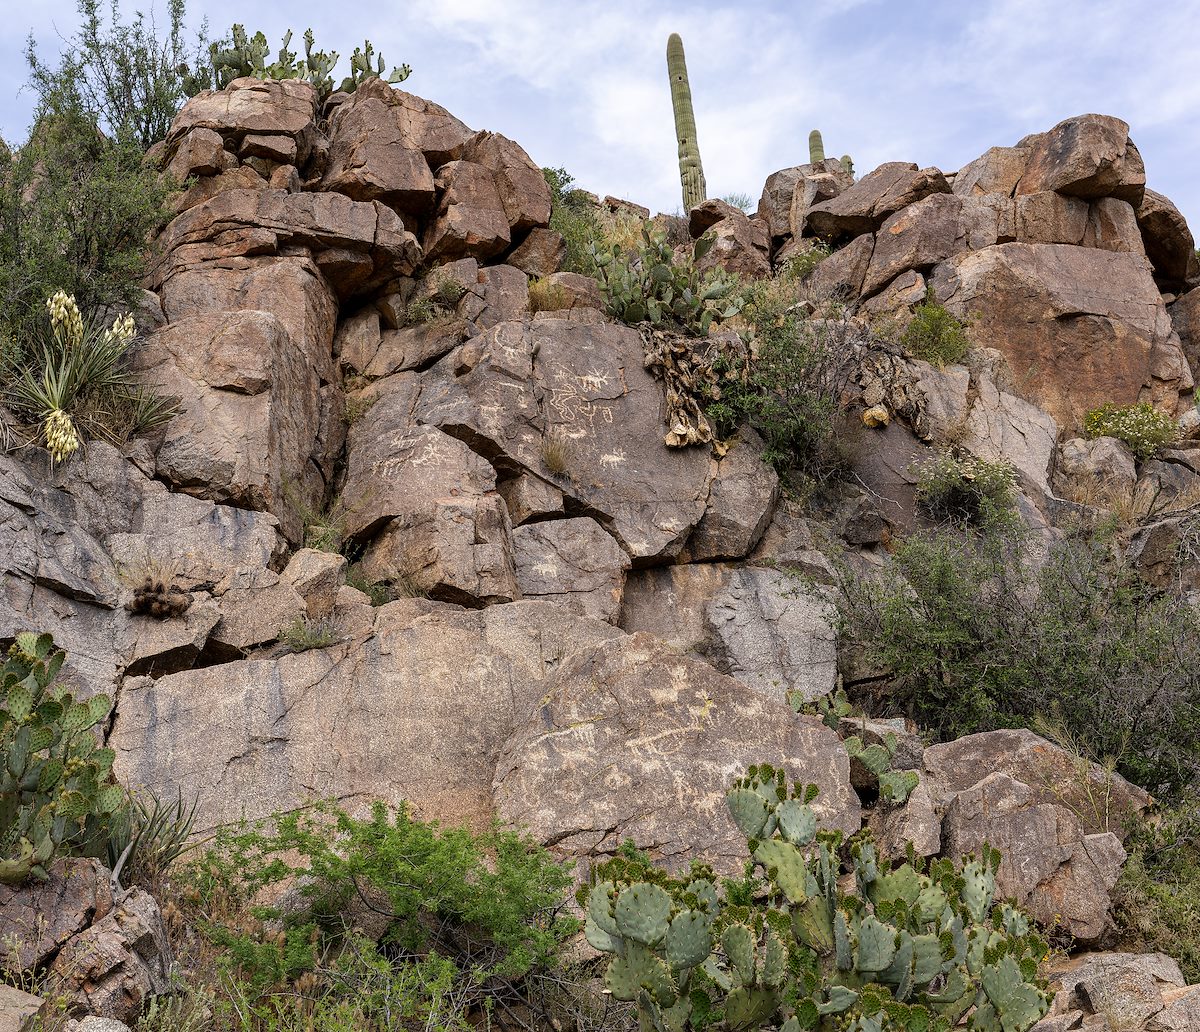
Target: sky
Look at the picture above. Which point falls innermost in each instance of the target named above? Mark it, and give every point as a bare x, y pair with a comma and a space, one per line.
582, 84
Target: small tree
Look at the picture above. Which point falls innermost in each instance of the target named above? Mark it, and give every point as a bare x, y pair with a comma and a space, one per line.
125, 76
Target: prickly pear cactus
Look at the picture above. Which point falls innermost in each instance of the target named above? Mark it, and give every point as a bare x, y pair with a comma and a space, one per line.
57, 791
247, 56
910, 949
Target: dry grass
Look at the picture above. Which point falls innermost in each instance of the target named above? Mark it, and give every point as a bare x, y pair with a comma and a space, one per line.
548, 297
1127, 505
557, 452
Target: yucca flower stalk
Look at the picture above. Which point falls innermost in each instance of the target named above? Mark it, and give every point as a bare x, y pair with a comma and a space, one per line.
77, 366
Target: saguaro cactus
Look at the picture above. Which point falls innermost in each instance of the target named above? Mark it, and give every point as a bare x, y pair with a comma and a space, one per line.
816, 147
691, 172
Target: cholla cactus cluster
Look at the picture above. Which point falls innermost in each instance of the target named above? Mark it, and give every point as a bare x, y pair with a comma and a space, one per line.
1141, 426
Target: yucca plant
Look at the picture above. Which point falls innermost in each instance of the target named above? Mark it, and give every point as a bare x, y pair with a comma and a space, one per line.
73, 379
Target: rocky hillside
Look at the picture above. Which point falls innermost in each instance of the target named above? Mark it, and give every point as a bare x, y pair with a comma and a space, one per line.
586, 633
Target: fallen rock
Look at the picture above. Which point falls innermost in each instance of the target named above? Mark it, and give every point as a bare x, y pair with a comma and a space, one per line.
741, 501
285, 107
317, 577
542, 253
1104, 460
634, 742
1049, 865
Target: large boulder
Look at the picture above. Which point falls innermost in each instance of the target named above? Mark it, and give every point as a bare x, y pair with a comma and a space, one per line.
635, 742
1168, 241
1049, 865
1081, 327
357, 244
863, 207
249, 413
1088, 156
470, 219
996, 171
1103, 801
282, 107
573, 404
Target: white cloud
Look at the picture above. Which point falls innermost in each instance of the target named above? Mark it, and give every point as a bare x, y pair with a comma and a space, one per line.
584, 85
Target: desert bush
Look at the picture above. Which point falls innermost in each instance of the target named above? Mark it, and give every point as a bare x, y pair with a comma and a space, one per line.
574, 218
377, 591
965, 488
469, 919
790, 390
934, 335
124, 76
76, 211
652, 286
1157, 899
58, 796
800, 265
548, 297
790, 946
1142, 427
975, 632
71, 382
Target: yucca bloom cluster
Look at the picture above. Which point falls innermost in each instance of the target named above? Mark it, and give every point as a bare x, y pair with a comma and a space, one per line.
65, 318
62, 439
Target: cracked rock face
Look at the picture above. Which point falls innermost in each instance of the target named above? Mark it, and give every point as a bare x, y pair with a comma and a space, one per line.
636, 742
417, 711
759, 626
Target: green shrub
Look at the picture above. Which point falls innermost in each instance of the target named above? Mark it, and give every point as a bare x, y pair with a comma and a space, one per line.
790, 392
71, 382
76, 211
996, 630
934, 335
58, 796
377, 591
573, 217
790, 947
799, 266
1140, 426
468, 916
965, 488
127, 79
1157, 900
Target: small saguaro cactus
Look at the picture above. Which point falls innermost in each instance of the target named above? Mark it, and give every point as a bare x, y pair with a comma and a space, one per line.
691, 172
816, 147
